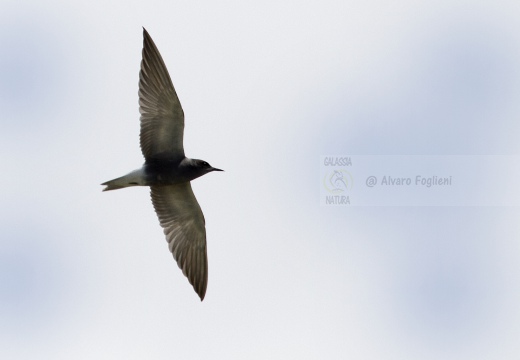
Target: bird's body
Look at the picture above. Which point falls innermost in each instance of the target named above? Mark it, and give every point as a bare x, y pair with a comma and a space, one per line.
167, 170
160, 173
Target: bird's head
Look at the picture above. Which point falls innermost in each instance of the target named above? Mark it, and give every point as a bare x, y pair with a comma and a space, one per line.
198, 168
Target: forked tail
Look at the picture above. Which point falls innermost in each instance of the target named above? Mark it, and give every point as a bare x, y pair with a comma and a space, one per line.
135, 178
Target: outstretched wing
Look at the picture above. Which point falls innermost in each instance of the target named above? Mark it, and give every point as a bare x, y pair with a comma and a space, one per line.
162, 118
184, 226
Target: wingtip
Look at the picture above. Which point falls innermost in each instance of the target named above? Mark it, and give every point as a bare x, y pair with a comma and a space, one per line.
200, 290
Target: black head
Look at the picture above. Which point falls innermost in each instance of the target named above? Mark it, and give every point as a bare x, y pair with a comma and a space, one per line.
195, 168
202, 165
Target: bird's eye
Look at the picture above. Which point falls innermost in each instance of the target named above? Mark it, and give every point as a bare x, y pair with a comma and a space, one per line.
205, 163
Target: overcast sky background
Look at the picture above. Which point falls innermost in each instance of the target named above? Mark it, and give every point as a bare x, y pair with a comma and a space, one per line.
267, 88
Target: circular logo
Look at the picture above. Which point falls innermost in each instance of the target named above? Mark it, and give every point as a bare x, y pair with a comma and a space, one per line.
338, 181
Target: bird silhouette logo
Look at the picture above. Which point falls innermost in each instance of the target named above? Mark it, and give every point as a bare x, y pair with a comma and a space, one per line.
338, 181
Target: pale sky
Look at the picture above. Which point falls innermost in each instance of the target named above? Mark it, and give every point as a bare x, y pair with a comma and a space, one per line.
268, 88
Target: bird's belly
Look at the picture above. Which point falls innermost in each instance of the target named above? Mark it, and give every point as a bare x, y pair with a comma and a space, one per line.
165, 178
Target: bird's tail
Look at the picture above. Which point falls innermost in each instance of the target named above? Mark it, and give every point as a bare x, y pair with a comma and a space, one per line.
135, 178
111, 185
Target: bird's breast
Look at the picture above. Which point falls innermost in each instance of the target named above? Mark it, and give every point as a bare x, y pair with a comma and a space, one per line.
164, 173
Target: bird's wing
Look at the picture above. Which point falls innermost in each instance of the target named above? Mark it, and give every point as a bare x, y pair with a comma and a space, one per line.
184, 226
162, 118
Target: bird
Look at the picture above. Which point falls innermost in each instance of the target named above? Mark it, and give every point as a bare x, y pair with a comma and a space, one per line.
167, 171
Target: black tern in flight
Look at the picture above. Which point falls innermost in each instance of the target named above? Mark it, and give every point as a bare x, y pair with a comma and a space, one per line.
167, 171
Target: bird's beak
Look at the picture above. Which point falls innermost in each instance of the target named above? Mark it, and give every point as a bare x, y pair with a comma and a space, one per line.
215, 169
